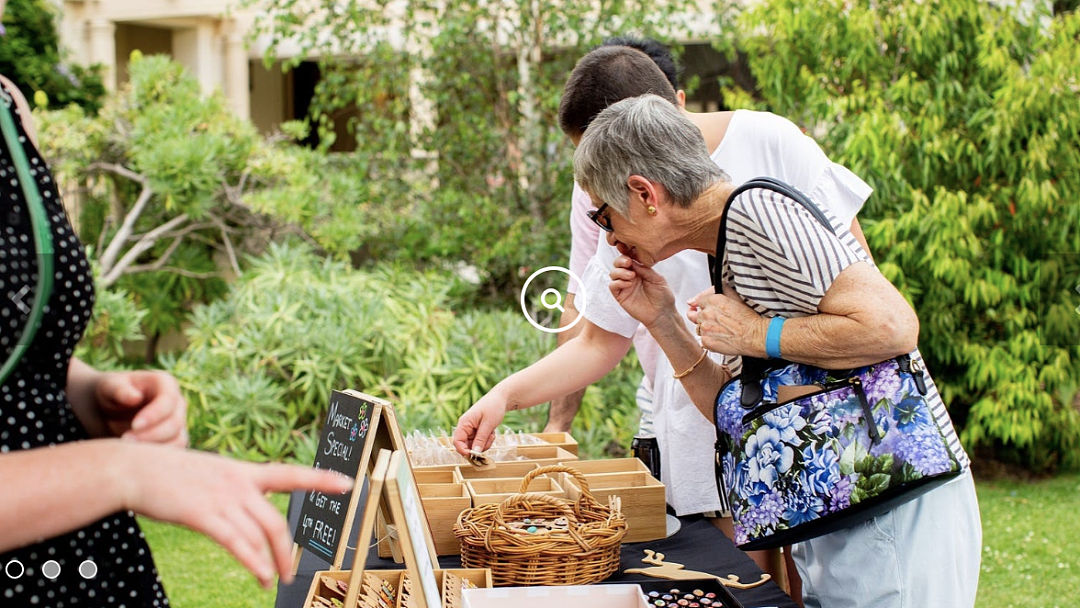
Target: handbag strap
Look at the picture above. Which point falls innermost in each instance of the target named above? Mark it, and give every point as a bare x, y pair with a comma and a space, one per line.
754, 369
41, 232
767, 183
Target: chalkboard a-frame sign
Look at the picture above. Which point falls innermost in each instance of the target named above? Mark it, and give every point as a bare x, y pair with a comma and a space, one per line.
356, 425
392, 491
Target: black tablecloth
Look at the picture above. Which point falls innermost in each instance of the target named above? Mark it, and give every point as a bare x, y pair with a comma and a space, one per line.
698, 546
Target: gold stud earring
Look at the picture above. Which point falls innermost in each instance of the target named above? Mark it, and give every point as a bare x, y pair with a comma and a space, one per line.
651, 210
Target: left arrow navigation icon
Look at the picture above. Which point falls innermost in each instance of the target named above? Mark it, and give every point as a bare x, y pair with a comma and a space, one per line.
18, 299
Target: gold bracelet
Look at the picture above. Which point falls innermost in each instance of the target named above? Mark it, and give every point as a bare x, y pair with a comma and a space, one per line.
704, 353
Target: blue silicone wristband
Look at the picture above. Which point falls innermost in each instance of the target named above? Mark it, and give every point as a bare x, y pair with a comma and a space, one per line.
772, 339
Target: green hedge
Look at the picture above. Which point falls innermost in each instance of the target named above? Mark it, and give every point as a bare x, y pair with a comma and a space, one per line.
261, 362
964, 116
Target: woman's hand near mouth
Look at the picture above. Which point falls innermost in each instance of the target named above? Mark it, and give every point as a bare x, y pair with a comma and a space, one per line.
641, 291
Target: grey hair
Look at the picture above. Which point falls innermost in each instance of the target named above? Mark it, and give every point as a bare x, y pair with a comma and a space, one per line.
646, 136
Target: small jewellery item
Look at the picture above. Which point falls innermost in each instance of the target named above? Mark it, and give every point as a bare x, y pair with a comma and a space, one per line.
682, 599
540, 525
704, 353
481, 462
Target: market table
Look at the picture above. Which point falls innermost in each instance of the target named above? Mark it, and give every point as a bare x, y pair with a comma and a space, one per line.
698, 545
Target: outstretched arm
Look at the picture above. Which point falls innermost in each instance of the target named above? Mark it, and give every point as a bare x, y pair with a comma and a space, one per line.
563, 409
569, 368
54, 490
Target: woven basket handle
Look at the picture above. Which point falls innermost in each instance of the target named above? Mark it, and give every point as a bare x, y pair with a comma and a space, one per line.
499, 518
557, 468
516, 499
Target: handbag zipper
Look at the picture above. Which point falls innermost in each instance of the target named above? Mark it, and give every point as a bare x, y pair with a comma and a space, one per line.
868, 414
765, 408
854, 382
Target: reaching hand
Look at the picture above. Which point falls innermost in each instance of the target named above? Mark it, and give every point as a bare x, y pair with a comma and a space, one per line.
223, 499
143, 405
641, 291
475, 429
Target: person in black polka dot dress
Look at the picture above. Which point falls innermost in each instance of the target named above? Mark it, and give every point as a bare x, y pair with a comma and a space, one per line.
34, 410
69, 485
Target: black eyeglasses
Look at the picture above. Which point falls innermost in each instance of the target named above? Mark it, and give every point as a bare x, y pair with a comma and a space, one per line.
600, 219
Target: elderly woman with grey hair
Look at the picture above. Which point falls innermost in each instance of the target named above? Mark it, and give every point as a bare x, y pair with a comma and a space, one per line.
647, 169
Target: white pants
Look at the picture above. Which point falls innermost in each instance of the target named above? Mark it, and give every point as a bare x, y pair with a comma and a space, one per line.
923, 554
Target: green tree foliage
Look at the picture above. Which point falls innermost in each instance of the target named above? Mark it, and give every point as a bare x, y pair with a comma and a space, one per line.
166, 173
262, 362
455, 115
965, 118
30, 56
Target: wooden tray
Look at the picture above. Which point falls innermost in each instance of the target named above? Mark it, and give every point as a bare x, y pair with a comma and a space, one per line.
643, 500
484, 491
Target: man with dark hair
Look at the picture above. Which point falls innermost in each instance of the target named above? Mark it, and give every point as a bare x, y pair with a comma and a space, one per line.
656, 51
604, 76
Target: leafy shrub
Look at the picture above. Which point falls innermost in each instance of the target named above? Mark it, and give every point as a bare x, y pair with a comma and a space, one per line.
261, 363
964, 118
116, 319
168, 178
31, 57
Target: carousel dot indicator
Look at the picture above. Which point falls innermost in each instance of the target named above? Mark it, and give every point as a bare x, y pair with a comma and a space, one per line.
14, 569
88, 569
51, 569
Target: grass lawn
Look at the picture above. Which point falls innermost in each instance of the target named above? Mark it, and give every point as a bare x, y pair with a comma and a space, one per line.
1031, 552
198, 573
1031, 543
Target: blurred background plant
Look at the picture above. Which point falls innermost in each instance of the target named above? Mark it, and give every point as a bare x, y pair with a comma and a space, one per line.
487, 181
156, 184
961, 114
964, 117
30, 55
261, 362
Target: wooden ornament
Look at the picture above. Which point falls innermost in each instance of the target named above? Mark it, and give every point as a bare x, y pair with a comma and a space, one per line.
677, 571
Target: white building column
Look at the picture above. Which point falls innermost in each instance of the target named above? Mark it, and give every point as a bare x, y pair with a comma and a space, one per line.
102, 34
237, 78
198, 50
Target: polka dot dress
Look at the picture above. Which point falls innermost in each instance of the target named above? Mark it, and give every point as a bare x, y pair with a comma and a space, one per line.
34, 410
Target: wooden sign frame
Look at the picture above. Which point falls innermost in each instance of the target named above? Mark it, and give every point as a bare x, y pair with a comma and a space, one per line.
413, 530
383, 433
376, 479
391, 487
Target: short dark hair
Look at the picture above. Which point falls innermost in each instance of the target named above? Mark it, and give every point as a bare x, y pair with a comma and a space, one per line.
604, 76
656, 50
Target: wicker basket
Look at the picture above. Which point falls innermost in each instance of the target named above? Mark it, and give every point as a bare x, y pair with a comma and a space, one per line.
587, 552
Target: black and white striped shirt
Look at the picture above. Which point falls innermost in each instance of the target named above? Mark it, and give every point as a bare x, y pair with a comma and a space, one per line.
781, 261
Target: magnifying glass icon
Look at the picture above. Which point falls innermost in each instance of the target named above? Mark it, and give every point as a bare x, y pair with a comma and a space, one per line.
557, 304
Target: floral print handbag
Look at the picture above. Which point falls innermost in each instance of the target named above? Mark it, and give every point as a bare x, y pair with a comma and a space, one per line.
860, 443
865, 443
